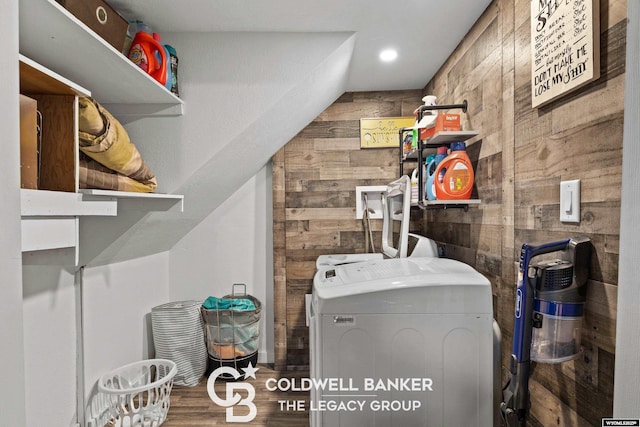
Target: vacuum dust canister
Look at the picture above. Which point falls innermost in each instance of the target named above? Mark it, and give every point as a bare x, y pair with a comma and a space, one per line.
559, 307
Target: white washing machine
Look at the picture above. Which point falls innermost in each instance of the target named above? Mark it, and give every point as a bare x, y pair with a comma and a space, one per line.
401, 338
398, 325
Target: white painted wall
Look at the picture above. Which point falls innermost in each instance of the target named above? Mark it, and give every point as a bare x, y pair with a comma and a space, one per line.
230, 82
246, 96
12, 400
232, 245
117, 303
50, 345
626, 394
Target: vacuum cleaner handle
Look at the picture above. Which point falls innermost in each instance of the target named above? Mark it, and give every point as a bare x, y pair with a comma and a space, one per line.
515, 405
524, 297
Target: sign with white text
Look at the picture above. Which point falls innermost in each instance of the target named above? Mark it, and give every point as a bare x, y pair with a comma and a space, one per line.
565, 47
368, 395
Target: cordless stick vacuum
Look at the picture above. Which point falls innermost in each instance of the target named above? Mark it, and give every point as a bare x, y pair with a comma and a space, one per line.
548, 317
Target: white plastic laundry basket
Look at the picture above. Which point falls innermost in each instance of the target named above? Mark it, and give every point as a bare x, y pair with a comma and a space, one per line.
139, 393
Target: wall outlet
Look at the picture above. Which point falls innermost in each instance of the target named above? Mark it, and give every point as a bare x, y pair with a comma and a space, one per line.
570, 201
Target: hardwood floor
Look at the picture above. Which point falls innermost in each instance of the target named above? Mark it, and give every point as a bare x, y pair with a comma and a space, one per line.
192, 406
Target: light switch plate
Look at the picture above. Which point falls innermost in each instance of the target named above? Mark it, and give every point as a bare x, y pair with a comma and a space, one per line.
570, 201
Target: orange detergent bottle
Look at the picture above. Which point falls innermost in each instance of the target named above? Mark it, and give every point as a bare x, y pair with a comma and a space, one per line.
149, 54
454, 175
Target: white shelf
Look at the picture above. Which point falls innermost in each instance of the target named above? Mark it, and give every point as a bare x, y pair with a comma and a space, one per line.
61, 42
51, 219
90, 202
137, 201
447, 137
61, 203
130, 195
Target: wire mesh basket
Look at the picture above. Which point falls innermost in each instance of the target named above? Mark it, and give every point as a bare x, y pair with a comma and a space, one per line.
232, 332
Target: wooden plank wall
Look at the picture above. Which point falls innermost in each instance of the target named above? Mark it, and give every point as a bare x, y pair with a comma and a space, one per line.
315, 176
521, 155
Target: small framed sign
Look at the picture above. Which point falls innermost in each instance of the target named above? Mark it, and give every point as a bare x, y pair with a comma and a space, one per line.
383, 131
565, 47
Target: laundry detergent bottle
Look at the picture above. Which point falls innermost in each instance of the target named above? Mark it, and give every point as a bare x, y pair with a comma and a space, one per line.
415, 184
149, 54
167, 58
457, 176
430, 190
173, 68
431, 174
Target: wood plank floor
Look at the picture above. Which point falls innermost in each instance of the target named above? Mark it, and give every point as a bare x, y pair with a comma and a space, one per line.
191, 406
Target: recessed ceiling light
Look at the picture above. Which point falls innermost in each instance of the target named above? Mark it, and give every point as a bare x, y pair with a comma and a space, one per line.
388, 55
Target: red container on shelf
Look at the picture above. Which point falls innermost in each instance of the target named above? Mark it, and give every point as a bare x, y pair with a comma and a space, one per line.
149, 54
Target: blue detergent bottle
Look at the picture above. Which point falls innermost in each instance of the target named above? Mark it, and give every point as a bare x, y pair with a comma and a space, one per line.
431, 172
173, 63
169, 82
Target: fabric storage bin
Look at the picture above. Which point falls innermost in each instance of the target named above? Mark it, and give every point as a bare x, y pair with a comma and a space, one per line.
178, 336
101, 18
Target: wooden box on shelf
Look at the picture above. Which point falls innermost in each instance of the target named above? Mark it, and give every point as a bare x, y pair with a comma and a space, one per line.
57, 101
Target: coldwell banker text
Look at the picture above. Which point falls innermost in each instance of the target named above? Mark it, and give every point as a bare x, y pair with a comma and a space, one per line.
350, 402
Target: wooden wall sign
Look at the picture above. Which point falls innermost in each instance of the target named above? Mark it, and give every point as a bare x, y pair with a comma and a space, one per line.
382, 131
565, 47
